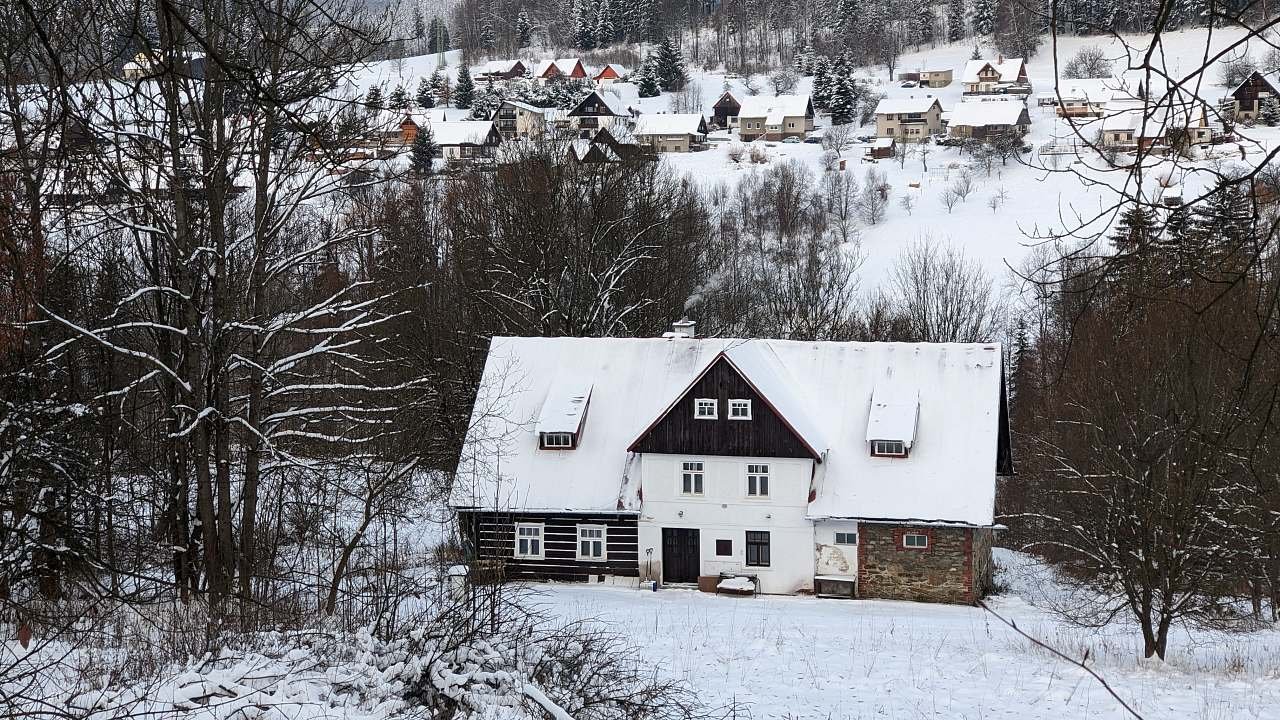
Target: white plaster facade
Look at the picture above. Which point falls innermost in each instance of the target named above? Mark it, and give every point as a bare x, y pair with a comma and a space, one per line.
724, 511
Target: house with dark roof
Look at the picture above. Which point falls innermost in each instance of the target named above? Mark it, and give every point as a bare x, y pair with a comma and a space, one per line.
841, 468
599, 109
725, 112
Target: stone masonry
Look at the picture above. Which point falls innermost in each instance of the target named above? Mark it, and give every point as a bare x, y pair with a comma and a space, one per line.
945, 571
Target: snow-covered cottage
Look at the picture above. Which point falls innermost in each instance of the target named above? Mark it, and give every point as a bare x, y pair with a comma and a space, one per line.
599, 110
672, 132
984, 77
909, 119
775, 117
983, 120
864, 469
560, 69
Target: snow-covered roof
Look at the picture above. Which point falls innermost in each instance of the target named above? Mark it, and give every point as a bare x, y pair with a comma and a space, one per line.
565, 406
496, 67
1152, 118
823, 390
619, 69
669, 124
566, 66
882, 143
774, 108
899, 106
461, 132
1095, 91
986, 113
629, 93
1010, 69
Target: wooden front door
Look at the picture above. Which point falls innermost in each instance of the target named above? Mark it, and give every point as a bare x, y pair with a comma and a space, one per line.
680, 555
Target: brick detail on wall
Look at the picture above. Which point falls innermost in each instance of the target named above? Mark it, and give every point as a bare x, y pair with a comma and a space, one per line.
947, 571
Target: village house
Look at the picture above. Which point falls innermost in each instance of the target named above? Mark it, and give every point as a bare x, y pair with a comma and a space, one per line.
500, 71
984, 120
673, 132
515, 119
936, 78
1250, 94
1137, 124
841, 468
603, 148
908, 119
560, 69
608, 74
775, 117
597, 110
1088, 97
724, 113
464, 140
983, 77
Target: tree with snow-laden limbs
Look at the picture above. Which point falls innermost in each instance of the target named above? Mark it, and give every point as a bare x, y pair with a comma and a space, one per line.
982, 17
956, 14
423, 151
398, 99
669, 64
524, 29
425, 95
464, 89
373, 99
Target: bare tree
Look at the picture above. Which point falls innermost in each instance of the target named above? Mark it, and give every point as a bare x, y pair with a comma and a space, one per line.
945, 296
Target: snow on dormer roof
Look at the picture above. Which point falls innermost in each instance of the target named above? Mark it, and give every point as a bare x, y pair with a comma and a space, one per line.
895, 408
565, 406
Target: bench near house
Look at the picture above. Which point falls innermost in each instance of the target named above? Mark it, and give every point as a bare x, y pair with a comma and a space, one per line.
908, 119
775, 117
864, 469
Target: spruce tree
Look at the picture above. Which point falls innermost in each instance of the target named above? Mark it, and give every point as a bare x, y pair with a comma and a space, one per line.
983, 17
955, 20
438, 36
584, 34
605, 29
646, 79
804, 60
425, 97
464, 90
669, 65
844, 92
488, 40
373, 99
1269, 110
524, 29
422, 151
398, 99
924, 27
822, 83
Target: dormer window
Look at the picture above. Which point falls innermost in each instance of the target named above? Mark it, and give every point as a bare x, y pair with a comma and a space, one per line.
706, 409
739, 409
558, 441
888, 448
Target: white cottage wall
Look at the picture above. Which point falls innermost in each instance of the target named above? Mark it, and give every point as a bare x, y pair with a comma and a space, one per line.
724, 511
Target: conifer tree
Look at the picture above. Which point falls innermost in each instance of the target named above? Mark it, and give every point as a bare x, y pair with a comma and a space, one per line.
584, 35
1269, 110
983, 17
669, 65
398, 99
422, 151
955, 20
924, 27
373, 99
437, 36
647, 82
425, 96
464, 91
605, 29
524, 29
822, 83
804, 60
488, 40
844, 92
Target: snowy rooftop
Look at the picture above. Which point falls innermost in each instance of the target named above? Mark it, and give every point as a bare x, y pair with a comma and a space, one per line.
566, 66
824, 390
1095, 91
670, 124
774, 107
496, 67
1009, 69
895, 409
898, 106
459, 132
982, 114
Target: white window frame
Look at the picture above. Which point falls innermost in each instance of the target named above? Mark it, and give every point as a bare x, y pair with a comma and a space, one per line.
738, 404
699, 404
566, 436
754, 471
847, 537
879, 448
540, 537
701, 473
603, 540
905, 546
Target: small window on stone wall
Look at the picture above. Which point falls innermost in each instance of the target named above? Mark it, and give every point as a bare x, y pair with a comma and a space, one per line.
915, 541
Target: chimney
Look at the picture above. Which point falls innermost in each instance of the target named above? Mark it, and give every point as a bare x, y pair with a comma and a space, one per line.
684, 327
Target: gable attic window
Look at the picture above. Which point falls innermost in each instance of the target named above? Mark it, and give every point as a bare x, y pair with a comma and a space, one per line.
563, 413
705, 409
739, 409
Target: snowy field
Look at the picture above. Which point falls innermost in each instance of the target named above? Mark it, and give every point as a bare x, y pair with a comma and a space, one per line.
795, 657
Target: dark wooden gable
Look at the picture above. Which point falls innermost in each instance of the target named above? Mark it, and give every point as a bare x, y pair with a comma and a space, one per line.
727, 100
592, 105
1252, 87
766, 434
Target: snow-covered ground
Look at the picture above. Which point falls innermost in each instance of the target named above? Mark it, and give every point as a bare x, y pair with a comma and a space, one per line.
801, 657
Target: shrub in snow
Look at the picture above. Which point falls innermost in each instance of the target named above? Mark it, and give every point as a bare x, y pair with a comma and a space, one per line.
758, 154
